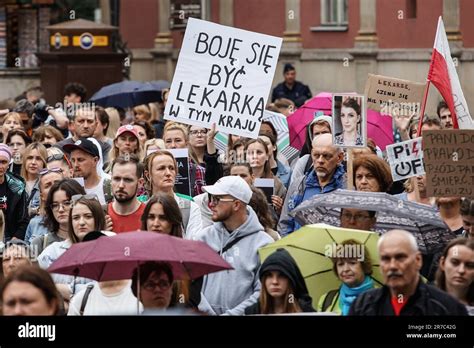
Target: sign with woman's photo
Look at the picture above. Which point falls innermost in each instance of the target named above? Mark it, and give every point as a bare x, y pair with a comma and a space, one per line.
349, 120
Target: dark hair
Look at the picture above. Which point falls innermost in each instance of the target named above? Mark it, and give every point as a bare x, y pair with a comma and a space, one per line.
171, 211
431, 120
259, 204
467, 207
149, 130
146, 269
267, 171
441, 105
40, 133
96, 209
20, 133
377, 167
40, 279
273, 140
370, 212
241, 164
130, 158
440, 278
24, 106
274, 132
352, 103
71, 187
77, 88
366, 263
103, 118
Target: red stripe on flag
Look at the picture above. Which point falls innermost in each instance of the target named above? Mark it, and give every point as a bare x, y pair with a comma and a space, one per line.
439, 76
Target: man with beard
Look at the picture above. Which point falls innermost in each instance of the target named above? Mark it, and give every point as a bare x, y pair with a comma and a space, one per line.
126, 210
326, 175
236, 235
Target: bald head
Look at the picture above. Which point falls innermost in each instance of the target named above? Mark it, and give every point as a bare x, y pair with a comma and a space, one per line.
322, 140
399, 237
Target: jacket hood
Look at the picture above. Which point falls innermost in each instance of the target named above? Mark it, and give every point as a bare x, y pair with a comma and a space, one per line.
282, 261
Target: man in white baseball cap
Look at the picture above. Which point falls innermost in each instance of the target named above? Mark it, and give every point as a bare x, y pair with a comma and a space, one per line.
236, 235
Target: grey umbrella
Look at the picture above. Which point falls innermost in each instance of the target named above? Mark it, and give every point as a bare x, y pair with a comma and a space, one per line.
422, 221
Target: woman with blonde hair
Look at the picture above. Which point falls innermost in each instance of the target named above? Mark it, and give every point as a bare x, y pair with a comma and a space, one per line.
34, 161
142, 113
114, 122
11, 121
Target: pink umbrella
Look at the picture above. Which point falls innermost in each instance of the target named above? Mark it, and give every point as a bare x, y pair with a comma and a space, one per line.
116, 257
299, 120
379, 128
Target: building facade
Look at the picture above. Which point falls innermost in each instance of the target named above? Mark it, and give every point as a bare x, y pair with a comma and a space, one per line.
333, 44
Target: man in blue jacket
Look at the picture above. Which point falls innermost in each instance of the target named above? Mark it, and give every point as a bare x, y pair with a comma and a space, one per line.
236, 235
327, 174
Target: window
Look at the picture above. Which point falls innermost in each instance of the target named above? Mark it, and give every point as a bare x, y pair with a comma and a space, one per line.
333, 12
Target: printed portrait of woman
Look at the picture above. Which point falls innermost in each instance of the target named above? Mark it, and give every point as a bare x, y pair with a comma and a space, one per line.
349, 121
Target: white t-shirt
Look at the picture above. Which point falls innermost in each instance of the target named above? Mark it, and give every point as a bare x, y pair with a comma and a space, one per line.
98, 191
98, 303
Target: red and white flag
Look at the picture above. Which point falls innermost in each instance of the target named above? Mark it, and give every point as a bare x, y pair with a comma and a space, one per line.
443, 75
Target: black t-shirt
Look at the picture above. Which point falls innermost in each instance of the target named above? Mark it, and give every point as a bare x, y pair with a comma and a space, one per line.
3, 197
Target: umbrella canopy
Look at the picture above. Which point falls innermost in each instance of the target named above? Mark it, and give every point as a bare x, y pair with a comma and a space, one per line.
379, 128
114, 258
422, 221
299, 120
311, 247
126, 94
160, 84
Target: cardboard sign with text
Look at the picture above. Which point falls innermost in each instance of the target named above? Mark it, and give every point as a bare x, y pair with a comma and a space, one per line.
392, 96
406, 159
223, 76
449, 162
183, 180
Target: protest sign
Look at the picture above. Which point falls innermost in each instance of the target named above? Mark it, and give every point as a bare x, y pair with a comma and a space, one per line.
392, 96
406, 159
449, 162
183, 180
267, 186
349, 120
223, 76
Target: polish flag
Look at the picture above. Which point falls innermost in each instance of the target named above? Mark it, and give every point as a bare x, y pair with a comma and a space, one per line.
443, 75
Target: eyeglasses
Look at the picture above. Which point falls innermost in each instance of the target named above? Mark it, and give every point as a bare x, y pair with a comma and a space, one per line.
52, 170
216, 199
56, 206
198, 132
75, 198
356, 217
162, 284
58, 157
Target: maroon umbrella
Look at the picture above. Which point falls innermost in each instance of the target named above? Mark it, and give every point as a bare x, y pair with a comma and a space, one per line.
116, 257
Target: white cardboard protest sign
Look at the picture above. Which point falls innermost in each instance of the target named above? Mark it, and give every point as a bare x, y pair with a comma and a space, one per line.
406, 159
223, 76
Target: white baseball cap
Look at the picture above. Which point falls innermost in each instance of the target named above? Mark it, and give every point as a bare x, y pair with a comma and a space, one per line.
234, 186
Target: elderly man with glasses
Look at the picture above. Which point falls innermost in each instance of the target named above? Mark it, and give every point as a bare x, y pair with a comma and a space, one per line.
326, 175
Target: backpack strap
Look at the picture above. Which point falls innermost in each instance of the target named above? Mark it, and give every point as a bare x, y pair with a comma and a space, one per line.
85, 298
231, 244
328, 300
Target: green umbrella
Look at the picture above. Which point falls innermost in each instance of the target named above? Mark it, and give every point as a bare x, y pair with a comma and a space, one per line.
312, 245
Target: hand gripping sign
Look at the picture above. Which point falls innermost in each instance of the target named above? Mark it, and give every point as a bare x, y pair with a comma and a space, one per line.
406, 159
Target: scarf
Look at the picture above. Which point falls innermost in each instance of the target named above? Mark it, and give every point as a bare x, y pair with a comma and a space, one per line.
348, 295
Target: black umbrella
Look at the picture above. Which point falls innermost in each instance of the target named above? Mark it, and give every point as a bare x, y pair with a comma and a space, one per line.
126, 94
422, 221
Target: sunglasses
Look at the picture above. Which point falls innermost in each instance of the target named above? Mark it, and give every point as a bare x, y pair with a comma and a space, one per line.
52, 170
75, 198
58, 157
215, 200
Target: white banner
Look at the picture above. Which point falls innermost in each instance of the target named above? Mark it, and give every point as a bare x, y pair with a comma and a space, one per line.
406, 159
223, 76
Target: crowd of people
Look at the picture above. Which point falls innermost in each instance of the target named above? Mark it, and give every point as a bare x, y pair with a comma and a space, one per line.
76, 175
